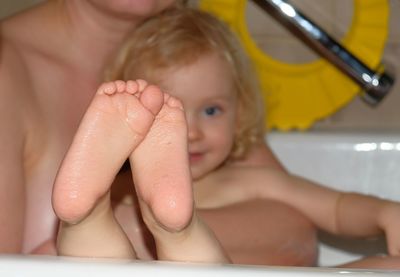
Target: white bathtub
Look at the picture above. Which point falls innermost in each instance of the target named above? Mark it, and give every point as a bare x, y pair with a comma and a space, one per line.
19, 266
367, 163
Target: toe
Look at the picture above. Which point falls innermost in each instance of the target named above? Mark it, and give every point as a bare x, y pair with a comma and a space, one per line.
132, 87
174, 102
152, 98
120, 85
142, 84
107, 88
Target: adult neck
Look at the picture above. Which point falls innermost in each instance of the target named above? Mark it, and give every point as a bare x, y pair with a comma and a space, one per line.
94, 33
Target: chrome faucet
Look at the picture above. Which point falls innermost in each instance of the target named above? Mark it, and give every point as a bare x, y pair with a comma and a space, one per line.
375, 84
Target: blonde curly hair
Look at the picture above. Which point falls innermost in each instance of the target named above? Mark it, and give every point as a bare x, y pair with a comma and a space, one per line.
179, 37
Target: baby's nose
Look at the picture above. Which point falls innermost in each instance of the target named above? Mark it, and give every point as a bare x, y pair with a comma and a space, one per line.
194, 130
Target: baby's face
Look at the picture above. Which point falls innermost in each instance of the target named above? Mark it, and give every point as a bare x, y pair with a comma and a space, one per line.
207, 93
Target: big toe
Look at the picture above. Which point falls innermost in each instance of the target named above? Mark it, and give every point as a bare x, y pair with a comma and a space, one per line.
152, 98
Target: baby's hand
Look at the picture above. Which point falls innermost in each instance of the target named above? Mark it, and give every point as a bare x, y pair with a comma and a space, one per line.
390, 223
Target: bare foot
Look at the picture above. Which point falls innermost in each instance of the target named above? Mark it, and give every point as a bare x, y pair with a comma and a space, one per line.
160, 169
116, 121
139, 121
161, 173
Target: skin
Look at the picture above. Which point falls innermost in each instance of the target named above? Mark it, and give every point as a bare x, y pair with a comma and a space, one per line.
207, 93
205, 89
84, 205
41, 116
45, 93
131, 119
346, 214
163, 189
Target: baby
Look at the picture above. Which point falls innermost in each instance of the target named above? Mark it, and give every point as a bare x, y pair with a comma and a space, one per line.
206, 148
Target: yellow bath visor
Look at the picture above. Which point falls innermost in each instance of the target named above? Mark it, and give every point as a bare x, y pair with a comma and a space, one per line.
296, 95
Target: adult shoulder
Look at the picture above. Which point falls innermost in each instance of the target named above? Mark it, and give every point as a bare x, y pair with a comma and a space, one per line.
19, 109
13, 73
17, 34
14, 77
20, 42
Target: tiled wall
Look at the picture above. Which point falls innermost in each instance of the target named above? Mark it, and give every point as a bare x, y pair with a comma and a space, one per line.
335, 17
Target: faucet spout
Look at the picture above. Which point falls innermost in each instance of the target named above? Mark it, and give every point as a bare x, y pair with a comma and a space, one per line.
375, 84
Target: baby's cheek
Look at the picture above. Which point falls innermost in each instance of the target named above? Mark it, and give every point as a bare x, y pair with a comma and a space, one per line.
225, 145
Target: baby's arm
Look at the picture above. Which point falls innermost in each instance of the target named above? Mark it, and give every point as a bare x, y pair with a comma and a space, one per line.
341, 213
349, 214
362, 215
239, 183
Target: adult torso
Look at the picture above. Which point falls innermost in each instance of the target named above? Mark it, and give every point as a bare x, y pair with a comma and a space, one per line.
51, 93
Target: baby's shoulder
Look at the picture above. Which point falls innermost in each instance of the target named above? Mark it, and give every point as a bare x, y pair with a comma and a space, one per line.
237, 183
251, 173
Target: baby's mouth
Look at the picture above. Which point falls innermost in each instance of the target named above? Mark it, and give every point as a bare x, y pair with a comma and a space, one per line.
195, 157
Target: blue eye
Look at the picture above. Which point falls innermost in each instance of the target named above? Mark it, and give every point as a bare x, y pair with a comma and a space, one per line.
210, 111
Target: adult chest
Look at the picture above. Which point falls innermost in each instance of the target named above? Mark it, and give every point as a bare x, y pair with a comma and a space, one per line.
58, 100
60, 105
